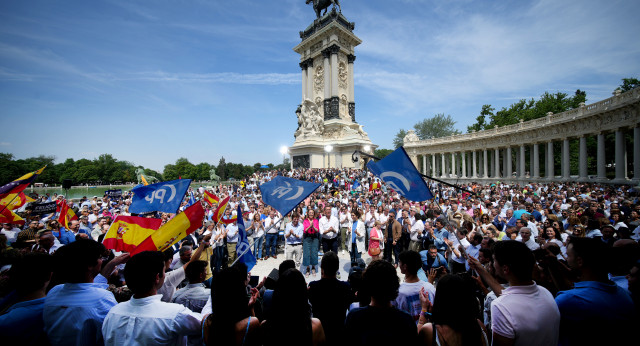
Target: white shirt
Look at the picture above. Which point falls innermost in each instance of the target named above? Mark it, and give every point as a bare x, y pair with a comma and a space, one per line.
325, 224
370, 219
148, 321
297, 231
232, 234
268, 222
193, 296
417, 229
345, 220
528, 314
171, 280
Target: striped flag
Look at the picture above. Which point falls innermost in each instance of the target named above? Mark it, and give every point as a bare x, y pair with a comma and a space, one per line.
8, 216
127, 232
144, 181
219, 213
19, 184
66, 215
211, 198
175, 229
374, 186
15, 200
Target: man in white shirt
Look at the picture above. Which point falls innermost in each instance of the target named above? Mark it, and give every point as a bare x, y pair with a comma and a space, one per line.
345, 223
232, 241
329, 227
194, 296
145, 319
293, 234
271, 238
408, 298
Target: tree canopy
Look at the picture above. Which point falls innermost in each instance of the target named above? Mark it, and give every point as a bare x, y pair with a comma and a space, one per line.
439, 125
628, 84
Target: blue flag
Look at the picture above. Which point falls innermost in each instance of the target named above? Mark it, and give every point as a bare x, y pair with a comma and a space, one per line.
285, 193
243, 249
165, 197
399, 173
192, 200
355, 185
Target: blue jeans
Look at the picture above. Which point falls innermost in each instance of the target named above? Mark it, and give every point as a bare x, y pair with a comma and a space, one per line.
271, 241
218, 254
355, 254
310, 251
257, 246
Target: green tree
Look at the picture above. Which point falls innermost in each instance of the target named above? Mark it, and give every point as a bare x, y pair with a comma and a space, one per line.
185, 169
381, 153
170, 172
628, 84
439, 125
202, 171
481, 120
398, 140
222, 169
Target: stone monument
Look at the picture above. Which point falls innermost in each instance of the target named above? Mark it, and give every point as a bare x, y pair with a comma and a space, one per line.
327, 133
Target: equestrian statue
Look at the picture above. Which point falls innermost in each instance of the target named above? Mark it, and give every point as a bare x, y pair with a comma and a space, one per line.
319, 5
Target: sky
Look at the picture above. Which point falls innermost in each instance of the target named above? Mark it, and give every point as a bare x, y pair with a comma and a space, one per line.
152, 81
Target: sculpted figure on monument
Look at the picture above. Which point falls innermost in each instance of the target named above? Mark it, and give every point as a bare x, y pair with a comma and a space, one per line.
319, 5
309, 118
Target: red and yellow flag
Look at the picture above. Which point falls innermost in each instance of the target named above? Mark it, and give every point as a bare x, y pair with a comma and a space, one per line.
127, 232
230, 220
374, 186
8, 216
66, 215
219, 213
211, 198
19, 184
14, 201
175, 229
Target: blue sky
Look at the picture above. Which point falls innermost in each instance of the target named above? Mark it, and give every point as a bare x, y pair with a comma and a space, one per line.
152, 81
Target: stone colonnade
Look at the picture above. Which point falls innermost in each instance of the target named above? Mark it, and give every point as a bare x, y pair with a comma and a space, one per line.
489, 154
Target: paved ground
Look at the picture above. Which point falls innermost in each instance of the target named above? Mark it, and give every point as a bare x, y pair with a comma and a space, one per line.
263, 268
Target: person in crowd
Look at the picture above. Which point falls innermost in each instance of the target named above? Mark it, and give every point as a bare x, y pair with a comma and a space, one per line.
329, 227
22, 323
74, 310
376, 241
291, 322
452, 319
173, 278
258, 235
330, 299
270, 226
310, 243
293, 233
393, 233
344, 217
594, 300
195, 295
146, 319
232, 241
438, 234
409, 293
355, 235
380, 323
232, 320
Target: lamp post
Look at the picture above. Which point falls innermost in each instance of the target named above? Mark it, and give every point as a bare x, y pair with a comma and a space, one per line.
284, 150
328, 148
366, 149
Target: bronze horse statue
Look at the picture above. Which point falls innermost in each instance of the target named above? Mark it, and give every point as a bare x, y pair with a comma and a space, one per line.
319, 5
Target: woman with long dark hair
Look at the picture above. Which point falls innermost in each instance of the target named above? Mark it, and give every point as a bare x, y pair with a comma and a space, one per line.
310, 242
232, 320
291, 322
454, 316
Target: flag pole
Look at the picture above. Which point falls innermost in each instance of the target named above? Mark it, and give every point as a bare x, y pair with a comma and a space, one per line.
5, 206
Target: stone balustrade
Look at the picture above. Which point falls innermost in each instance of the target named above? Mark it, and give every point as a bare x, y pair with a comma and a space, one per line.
489, 152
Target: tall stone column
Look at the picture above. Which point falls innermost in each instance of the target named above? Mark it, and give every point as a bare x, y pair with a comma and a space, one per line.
352, 103
550, 169
582, 159
309, 79
509, 170
303, 67
621, 164
454, 167
636, 153
334, 70
565, 166
444, 166
434, 172
474, 171
504, 163
531, 161
496, 158
601, 158
326, 54
485, 173
521, 174
464, 164
424, 164
536, 161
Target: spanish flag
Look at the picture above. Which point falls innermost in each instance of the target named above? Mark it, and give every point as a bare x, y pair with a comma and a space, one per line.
219, 213
230, 220
19, 184
211, 198
15, 200
170, 233
8, 216
66, 215
374, 186
127, 232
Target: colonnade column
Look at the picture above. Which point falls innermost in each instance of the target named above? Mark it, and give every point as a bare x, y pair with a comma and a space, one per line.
565, 166
485, 172
326, 54
621, 163
582, 158
433, 166
531, 162
473, 164
496, 158
424, 164
464, 164
522, 162
443, 168
550, 170
602, 171
509, 171
454, 168
536, 161
303, 67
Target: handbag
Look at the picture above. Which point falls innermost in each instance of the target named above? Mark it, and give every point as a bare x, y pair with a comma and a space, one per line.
374, 251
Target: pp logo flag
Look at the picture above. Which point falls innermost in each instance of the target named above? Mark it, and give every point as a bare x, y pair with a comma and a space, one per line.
399, 173
285, 193
164, 197
243, 249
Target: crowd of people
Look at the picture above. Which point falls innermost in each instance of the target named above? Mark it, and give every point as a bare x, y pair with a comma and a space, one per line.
480, 264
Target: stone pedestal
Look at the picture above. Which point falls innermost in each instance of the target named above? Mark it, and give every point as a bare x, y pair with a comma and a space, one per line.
327, 113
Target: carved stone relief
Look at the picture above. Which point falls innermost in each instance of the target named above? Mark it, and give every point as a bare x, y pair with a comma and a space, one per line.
318, 80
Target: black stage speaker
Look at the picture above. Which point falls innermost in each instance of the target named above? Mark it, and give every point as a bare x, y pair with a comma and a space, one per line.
66, 184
